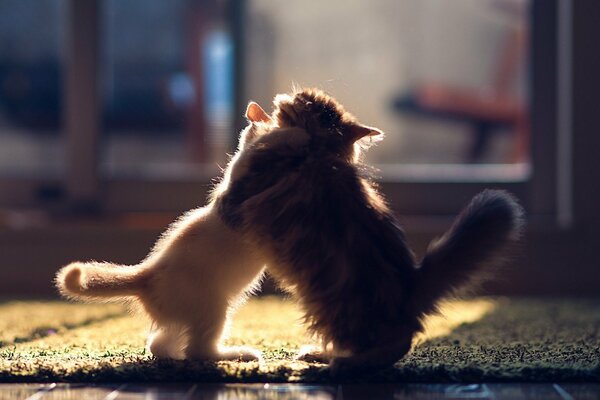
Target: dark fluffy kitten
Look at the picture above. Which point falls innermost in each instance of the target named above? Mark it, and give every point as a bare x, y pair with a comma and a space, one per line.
336, 244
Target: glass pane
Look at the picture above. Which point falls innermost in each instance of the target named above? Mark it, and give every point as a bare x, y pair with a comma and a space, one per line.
31, 59
446, 80
167, 70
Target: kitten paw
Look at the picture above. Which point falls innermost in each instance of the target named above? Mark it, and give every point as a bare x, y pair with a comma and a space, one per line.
240, 353
312, 354
342, 366
164, 345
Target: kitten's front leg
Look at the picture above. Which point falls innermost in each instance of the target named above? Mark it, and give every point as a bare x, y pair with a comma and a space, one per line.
384, 355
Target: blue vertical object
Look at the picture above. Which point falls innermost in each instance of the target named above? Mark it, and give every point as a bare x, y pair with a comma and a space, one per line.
218, 77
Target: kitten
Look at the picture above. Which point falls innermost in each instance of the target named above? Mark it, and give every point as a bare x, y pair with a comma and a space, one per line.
331, 238
197, 273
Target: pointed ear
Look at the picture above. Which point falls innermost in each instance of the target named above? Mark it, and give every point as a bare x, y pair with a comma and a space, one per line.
255, 113
358, 132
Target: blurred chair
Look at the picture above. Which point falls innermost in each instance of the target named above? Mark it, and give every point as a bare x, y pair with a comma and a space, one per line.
486, 111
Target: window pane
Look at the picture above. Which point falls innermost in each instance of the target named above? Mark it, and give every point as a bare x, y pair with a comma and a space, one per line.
31, 60
167, 88
446, 81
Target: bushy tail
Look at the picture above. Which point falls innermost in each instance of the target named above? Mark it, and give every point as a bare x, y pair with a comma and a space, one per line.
475, 242
94, 280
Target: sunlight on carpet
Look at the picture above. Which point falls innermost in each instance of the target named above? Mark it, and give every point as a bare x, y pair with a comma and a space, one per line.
453, 314
473, 340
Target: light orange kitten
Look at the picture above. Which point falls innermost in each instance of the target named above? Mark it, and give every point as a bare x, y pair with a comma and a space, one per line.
192, 280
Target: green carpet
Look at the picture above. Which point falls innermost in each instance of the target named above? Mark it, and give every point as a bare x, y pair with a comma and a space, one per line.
479, 340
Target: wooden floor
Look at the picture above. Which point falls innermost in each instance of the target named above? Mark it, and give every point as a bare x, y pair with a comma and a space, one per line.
495, 391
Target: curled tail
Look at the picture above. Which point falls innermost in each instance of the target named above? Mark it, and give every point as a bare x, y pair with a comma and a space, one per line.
475, 242
95, 280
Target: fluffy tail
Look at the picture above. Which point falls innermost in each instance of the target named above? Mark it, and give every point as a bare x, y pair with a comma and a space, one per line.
475, 242
96, 280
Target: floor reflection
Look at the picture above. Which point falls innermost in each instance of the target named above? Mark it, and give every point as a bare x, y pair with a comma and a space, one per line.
266, 391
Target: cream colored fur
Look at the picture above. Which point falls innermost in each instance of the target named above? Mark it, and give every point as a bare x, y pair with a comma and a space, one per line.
191, 282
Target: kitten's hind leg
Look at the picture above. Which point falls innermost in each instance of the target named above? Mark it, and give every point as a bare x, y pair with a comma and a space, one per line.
382, 356
167, 343
204, 343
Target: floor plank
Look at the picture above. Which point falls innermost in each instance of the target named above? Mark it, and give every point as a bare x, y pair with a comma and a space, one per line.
286, 391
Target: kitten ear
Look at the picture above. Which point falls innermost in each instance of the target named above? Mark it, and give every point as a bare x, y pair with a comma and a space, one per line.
358, 132
255, 113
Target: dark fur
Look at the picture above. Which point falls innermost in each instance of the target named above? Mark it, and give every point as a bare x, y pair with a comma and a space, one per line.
339, 247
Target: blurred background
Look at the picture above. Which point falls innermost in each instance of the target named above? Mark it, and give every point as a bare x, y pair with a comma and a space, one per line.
115, 115
447, 80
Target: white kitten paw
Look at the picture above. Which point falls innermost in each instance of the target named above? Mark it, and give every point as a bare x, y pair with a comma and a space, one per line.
240, 353
164, 344
163, 352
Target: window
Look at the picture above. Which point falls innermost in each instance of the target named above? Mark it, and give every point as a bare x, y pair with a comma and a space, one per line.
450, 83
461, 88
32, 141
128, 106
167, 89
